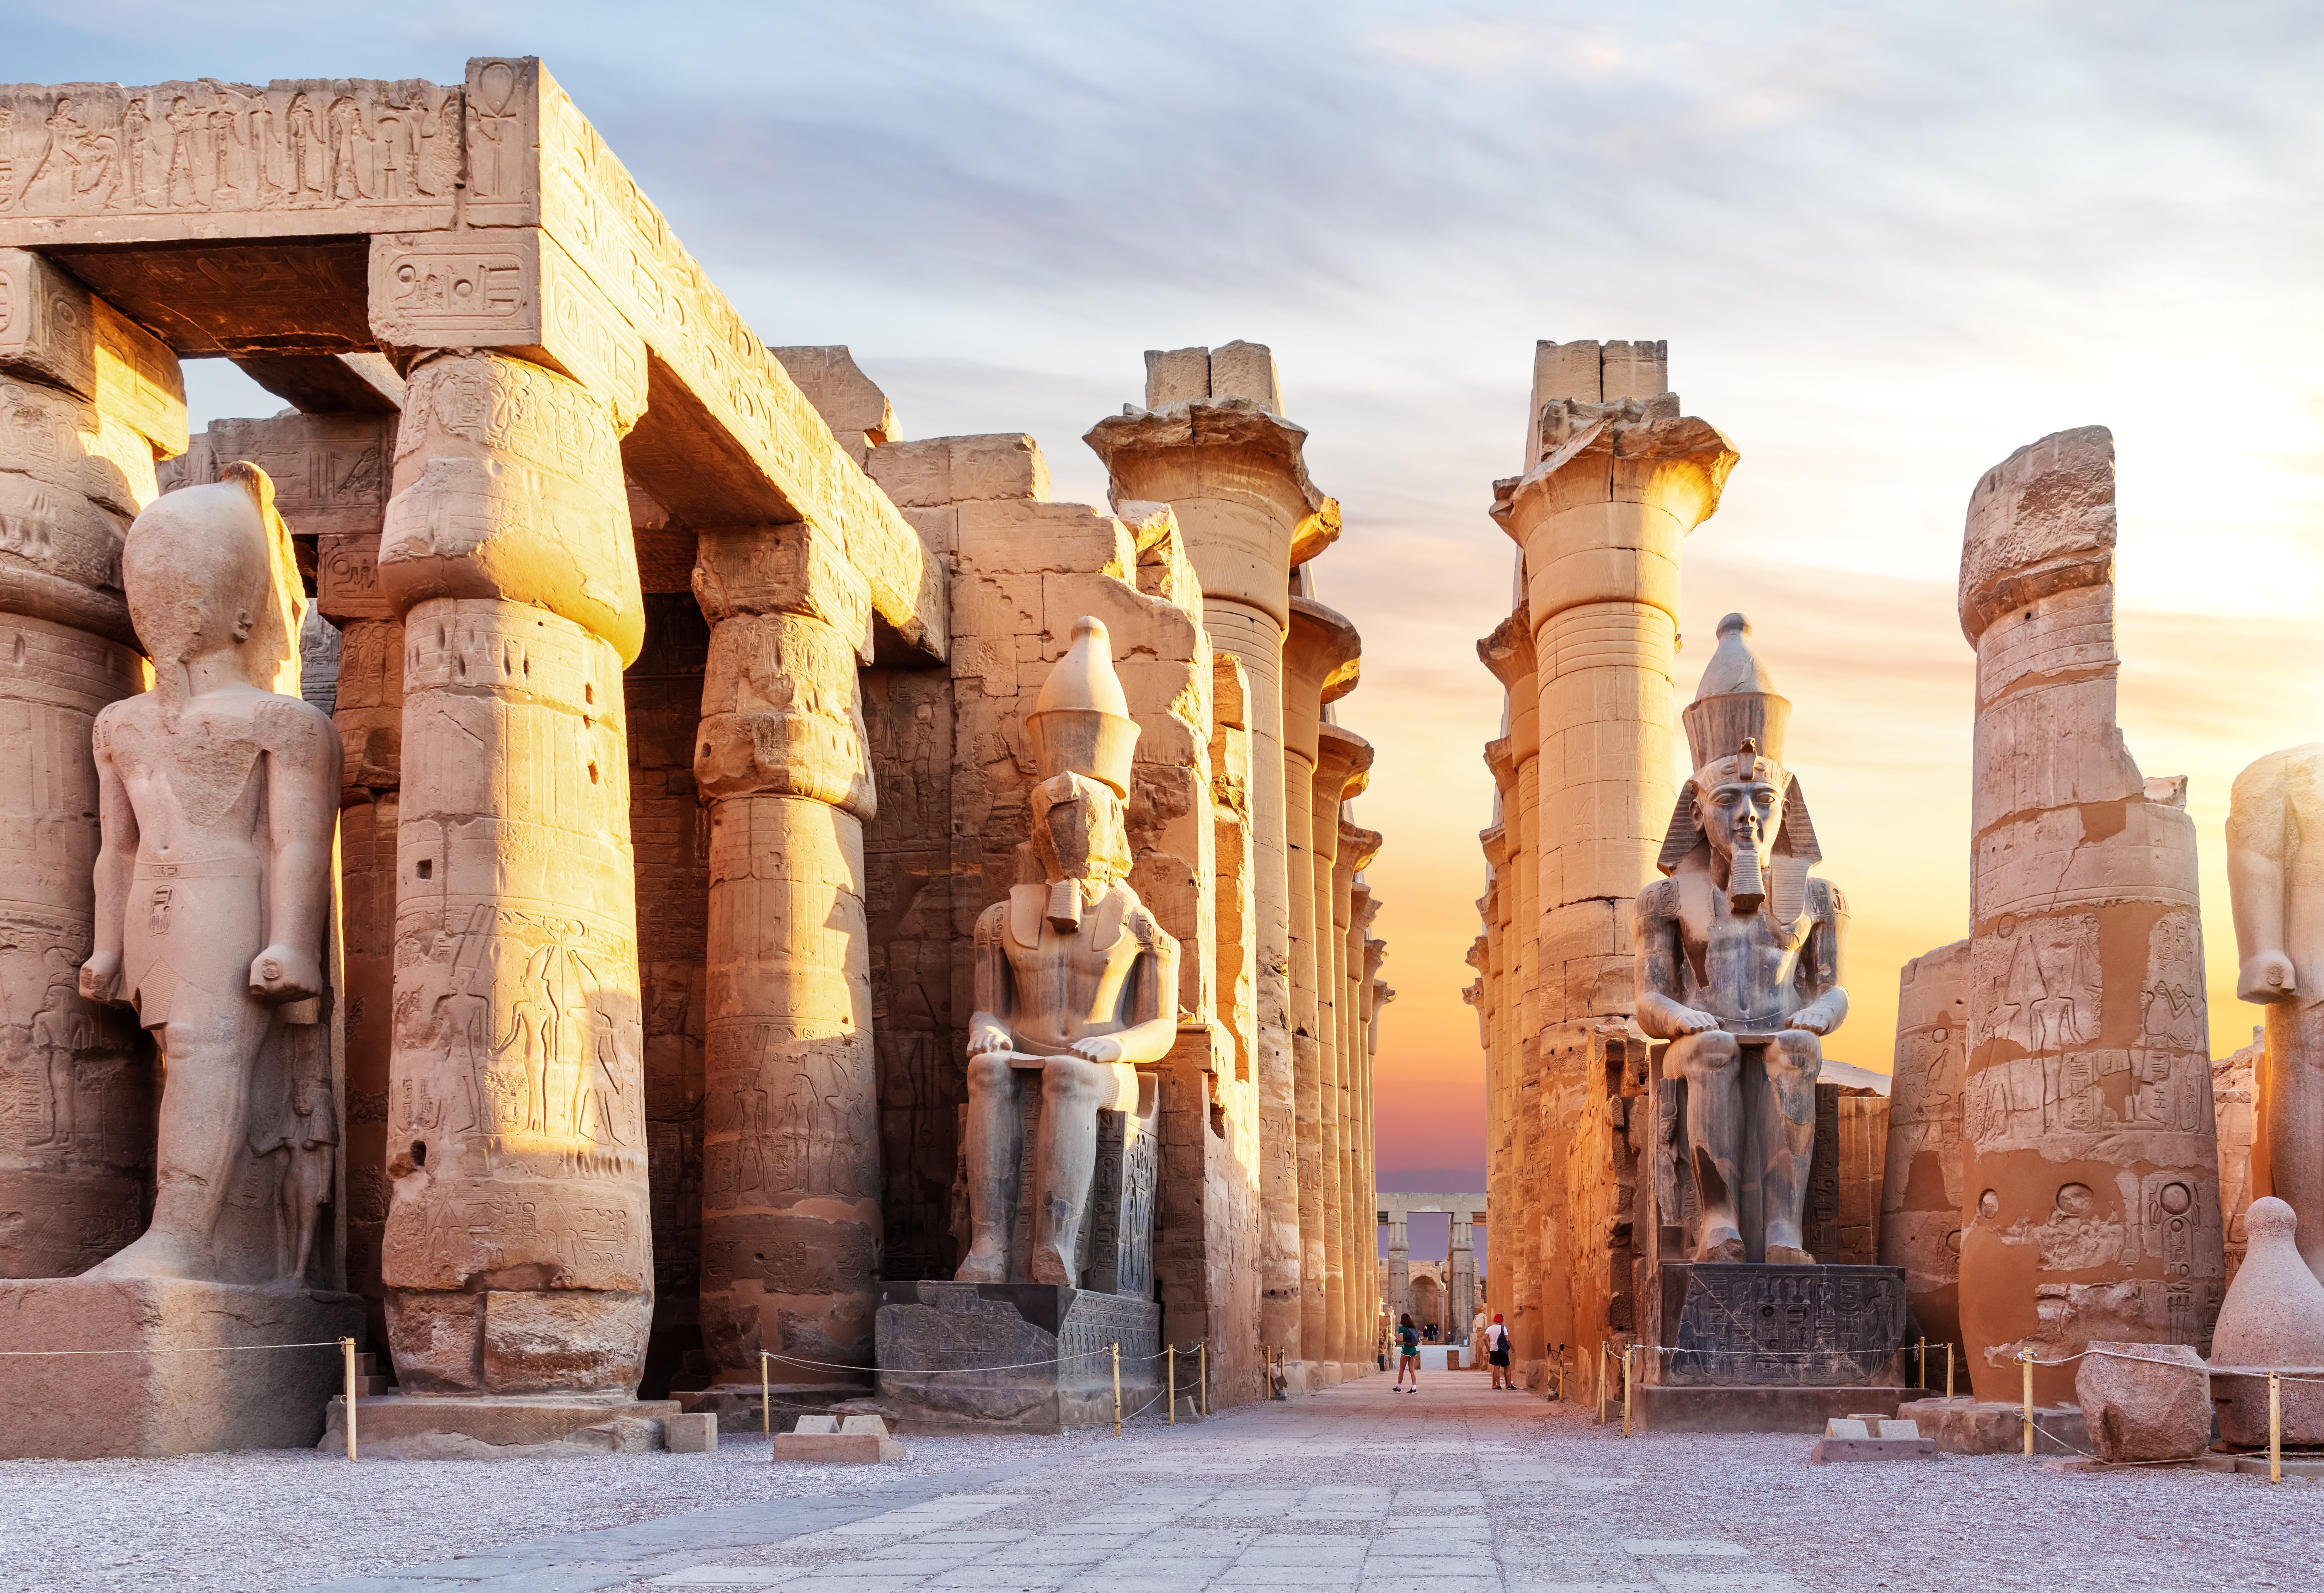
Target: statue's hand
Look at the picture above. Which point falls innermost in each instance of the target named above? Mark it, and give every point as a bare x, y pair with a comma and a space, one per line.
1689, 1020
1812, 1018
282, 973
988, 1039
2268, 977
100, 977
1098, 1048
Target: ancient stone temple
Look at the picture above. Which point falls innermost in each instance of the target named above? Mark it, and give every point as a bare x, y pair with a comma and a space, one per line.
709, 759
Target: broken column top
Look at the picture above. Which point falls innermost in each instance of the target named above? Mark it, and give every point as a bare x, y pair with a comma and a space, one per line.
1586, 371
2041, 522
1232, 370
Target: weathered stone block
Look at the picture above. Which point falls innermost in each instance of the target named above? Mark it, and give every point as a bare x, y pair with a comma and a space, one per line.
694, 1433
2144, 1401
936, 1340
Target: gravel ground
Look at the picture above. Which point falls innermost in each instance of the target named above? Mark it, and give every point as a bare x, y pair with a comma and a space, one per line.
1456, 1490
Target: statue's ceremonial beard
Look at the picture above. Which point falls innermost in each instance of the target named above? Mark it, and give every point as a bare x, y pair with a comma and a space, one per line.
1746, 890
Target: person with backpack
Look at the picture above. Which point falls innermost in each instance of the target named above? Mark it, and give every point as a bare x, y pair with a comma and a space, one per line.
1407, 1360
1496, 1352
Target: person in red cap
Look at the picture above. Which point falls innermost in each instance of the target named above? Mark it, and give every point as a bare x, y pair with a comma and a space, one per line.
1496, 1352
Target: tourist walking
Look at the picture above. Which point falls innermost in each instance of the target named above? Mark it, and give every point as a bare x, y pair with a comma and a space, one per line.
1496, 1352
1408, 1359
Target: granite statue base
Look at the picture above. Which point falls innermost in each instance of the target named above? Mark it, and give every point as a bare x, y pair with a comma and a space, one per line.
1967, 1425
193, 1382
1013, 1357
482, 1427
1746, 1348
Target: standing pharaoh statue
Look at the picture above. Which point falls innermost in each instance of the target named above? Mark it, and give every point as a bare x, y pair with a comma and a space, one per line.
1075, 984
218, 796
1739, 962
2275, 878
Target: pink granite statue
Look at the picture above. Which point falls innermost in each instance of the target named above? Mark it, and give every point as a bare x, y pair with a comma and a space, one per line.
1739, 959
1076, 982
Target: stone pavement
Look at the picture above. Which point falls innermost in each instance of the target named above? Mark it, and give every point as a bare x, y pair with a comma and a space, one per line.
1452, 1490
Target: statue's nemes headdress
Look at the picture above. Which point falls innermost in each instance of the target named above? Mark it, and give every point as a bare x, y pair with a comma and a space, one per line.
1735, 730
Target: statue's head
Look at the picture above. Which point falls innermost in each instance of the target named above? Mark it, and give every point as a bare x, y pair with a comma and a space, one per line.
1078, 832
209, 573
1742, 808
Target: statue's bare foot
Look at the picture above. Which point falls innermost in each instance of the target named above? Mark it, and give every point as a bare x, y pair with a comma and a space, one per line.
984, 1263
1788, 1256
156, 1255
1049, 1267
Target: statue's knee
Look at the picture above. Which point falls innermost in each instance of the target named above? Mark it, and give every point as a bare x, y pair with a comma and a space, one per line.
1713, 1052
1795, 1050
986, 1072
1067, 1081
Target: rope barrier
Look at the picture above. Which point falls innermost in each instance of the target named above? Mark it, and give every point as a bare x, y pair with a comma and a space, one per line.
192, 1349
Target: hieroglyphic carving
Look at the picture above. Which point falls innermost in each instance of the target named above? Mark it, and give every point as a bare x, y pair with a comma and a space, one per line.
173, 160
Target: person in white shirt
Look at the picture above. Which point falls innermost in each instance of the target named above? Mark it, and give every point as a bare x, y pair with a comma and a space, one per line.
1496, 1352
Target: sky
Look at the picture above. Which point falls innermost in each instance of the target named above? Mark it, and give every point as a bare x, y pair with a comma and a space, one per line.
1888, 246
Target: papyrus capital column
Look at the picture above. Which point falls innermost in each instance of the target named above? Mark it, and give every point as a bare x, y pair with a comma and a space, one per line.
791, 1215
517, 1256
1351, 1085
1320, 665
1339, 753
1212, 443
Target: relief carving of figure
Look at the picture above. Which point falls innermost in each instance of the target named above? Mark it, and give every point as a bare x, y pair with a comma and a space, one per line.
1740, 958
1076, 981
216, 798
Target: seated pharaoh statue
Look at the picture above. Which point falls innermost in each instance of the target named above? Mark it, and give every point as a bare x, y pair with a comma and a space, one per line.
218, 797
1076, 985
1740, 963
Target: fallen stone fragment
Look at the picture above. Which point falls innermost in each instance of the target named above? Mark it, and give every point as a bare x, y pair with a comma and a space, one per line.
2144, 1401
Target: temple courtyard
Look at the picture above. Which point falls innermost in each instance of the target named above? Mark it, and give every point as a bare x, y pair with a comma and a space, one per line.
1458, 1489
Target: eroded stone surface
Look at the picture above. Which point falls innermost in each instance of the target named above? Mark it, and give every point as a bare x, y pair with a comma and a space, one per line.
1921, 1195
2144, 1401
2091, 1192
2272, 1317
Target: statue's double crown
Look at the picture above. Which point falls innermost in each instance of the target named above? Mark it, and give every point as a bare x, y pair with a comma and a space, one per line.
1081, 723
1735, 726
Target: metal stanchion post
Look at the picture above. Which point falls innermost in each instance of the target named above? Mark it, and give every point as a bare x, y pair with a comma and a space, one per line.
1949, 1371
1625, 1390
2026, 1357
1601, 1382
766, 1401
347, 1345
1202, 1366
1923, 1353
2275, 1427
1171, 1355
1116, 1347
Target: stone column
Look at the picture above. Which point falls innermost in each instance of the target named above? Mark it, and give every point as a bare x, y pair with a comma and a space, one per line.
517, 1254
87, 403
368, 710
1399, 1265
1212, 444
1341, 761
1319, 666
1516, 762
1921, 1195
2090, 1201
1354, 847
1486, 954
790, 1219
1614, 479
1461, 1276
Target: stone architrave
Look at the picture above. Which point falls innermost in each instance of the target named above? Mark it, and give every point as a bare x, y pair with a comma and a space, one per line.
2279, 913
517, 1254
1321, 653
87, 403
2090, 1189
1614, 479
1920, 1193
218, 792
791, 1220
1230, 467
1740, 956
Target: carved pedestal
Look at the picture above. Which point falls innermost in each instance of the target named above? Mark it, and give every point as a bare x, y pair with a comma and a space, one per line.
85, 1407
1053, 1345
1739, 1348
